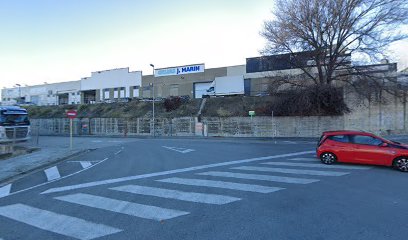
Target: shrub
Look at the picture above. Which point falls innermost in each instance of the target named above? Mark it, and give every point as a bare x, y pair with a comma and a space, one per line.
172, 103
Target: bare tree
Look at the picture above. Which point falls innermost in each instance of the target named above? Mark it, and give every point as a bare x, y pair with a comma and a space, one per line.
332, 30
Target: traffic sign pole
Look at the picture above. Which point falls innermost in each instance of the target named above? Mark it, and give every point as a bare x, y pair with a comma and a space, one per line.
71, 114
70, 134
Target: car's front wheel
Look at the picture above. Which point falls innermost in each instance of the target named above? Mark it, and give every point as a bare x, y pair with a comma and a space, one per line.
328, 158
401, 164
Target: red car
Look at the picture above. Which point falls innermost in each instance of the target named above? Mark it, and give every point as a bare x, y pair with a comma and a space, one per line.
362, 148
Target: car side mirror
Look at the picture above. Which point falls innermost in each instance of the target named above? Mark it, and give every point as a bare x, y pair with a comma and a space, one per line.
384, 145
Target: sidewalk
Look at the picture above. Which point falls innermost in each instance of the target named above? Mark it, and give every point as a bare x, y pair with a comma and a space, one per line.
52, 150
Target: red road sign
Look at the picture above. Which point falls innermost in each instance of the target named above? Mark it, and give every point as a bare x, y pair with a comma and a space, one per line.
72, 114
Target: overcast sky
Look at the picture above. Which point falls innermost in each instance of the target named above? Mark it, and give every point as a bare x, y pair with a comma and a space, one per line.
64, 40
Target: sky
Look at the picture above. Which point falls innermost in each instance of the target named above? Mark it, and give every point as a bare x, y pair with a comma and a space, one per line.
65, 40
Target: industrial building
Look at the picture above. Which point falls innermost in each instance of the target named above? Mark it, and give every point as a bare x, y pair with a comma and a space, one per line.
119, 85
110, 86
101, 86
45, 94
174, 81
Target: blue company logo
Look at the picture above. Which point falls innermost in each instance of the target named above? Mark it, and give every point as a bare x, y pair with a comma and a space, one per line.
190, 69
168, 71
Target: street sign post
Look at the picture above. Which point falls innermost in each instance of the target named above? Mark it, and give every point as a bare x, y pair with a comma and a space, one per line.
71, 114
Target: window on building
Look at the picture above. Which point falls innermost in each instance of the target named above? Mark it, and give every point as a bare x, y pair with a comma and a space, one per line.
116, 93
106, 93
136, 91
122, 92
174, 90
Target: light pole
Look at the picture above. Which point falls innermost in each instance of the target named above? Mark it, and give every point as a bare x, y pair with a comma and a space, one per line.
154, 133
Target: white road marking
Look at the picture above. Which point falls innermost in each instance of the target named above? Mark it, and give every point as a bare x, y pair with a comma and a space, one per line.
293, 171
304, 159
179, 195
56, 223
95, 161
222, 184
85, 164
52, 173
180, 150
5, 190
67, 176
118, 206
316, 165
149, 175
97, 141
260, 177
118, 152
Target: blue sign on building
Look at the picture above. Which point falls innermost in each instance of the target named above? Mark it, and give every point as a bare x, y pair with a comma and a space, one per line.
179, 70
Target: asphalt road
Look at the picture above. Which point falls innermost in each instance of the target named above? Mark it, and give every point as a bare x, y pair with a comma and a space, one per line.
205, 189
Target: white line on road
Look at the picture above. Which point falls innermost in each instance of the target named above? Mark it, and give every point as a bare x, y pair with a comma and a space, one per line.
179, 195
260, 177
95, 161
52, 173
316, 165
118, 152
67, 176
128, 208
56, 223
189, 169
85, 164
222, 184
293, 171
180, 150
5, 190
304, 159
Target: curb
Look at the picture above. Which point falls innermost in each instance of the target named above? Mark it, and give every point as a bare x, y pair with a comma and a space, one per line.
42, 166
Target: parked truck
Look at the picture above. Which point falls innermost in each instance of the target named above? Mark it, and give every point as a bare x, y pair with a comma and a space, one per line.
226, 86
14, 124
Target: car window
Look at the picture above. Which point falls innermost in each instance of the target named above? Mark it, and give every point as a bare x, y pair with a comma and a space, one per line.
340, 138
366, 140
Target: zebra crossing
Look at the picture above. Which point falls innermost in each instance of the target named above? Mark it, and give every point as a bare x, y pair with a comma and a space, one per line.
255, 178
48, 175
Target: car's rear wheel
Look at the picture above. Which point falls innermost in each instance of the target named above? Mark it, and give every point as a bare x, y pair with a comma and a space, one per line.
328, 158
401, 164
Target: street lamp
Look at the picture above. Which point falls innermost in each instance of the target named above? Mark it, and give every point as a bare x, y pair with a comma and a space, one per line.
154, 133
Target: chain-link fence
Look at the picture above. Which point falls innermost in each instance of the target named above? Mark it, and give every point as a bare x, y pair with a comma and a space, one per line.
118, 126
189, 126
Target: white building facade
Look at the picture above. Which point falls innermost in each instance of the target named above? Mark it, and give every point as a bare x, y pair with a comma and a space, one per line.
102, 86
111, 86
42, 95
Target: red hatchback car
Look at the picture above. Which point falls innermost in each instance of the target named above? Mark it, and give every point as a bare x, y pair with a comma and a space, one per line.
362, 148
